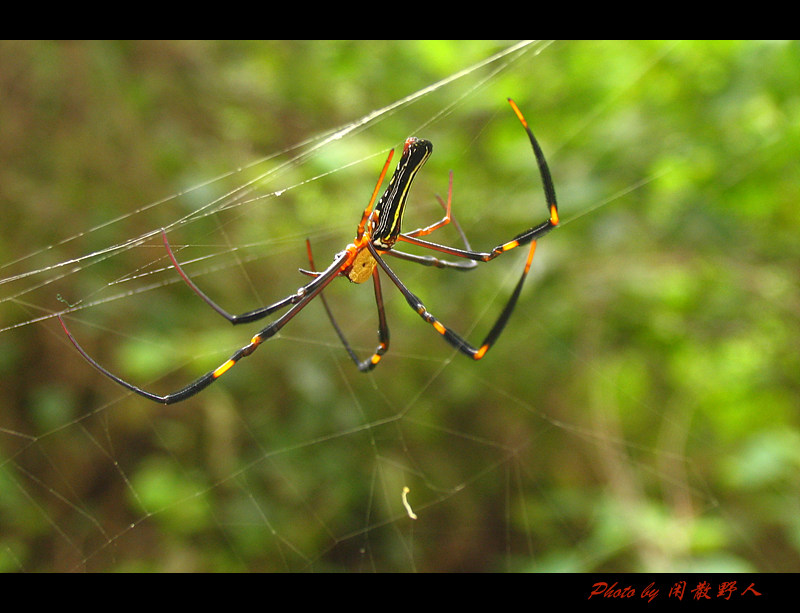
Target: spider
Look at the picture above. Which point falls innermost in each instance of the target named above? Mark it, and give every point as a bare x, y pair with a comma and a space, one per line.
377, 234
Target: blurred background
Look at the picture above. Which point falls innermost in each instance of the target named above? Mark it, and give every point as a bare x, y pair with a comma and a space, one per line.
640, 412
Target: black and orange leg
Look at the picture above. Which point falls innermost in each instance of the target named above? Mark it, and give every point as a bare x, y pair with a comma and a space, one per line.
530, 235
383, 327
524, 238
450, 336
308, 292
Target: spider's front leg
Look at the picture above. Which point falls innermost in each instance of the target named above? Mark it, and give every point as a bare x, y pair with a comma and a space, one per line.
243, 318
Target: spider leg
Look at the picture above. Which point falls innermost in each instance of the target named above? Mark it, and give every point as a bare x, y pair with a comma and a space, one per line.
368, 211
444, 220
243, 318
451, 337
429, 260
305, 295
474, 257
524, 238
383, 328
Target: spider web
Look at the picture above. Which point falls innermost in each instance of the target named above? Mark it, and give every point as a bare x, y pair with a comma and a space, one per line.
565, 449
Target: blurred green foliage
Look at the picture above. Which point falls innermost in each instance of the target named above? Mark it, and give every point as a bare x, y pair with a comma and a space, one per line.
640, 413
